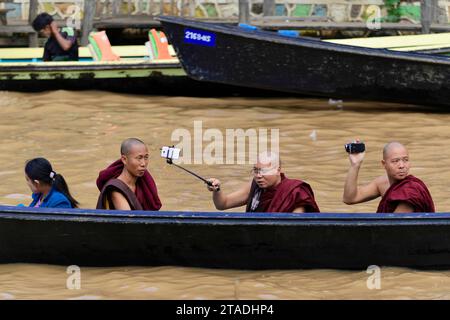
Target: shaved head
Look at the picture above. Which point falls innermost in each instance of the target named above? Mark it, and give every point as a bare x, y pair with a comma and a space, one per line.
396, 161
267, 170
268, 157
128, 144
391, 146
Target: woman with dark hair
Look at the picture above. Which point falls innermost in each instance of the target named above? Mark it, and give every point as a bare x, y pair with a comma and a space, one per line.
49, 189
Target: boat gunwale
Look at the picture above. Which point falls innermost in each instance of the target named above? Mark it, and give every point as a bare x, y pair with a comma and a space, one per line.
29, 67
228, 218
268, 36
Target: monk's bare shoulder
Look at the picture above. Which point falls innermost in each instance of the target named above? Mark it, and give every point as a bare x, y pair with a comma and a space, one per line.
382, 183
119, 201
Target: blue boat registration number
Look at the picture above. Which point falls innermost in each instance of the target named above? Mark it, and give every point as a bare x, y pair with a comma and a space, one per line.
199, 37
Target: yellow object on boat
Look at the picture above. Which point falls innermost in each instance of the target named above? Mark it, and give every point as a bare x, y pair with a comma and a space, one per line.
83, 52
400, 43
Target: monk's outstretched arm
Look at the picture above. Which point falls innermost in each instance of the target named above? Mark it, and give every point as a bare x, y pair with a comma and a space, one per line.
352, 192
224, 201
119, 201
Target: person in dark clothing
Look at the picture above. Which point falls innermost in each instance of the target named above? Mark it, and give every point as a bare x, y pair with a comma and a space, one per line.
61, 45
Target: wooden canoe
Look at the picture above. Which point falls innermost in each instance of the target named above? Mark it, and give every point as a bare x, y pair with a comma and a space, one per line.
21, 69
223, 240
267, 60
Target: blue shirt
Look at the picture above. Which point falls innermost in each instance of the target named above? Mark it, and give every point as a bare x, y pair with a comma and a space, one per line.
54, 199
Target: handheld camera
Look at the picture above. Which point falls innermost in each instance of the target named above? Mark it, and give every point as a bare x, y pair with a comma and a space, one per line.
355, 147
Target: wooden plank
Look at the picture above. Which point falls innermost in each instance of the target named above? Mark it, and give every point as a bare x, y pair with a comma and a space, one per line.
127, 22
32, 14
90, 7
133, 62
14, 41
116, 7
429, 14
146, 22
17, 29
316, 25
425, 15
244, 11
413, 48
150, 6
192, 8
129, 7
172, 7
3, 18
83, 52
397, 41
330, 2
182, 5
269, 8
270, 19
426, 47
21, 53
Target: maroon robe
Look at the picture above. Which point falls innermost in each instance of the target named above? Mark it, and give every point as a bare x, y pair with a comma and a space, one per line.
287, 196
410, 190
105, 199
146, 191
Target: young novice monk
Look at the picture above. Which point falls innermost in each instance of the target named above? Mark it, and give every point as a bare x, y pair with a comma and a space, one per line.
126, 184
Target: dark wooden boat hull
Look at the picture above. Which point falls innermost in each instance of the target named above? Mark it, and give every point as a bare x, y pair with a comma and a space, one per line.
140, 78
223, 240
266, 60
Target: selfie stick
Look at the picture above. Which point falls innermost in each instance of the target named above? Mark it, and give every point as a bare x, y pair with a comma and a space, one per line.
209, 183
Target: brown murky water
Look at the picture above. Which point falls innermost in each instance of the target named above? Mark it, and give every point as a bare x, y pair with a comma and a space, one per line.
80, 134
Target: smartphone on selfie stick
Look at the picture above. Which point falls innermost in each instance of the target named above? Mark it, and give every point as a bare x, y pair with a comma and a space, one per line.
172, 153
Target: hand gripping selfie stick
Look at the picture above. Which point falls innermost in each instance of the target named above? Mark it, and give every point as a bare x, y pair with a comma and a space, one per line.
169, 160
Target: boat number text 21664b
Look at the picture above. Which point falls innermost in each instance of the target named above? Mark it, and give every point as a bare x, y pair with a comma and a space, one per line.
199, 37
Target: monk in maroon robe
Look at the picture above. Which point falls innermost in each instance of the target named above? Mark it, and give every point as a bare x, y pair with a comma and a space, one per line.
400, 191
411, 191
126, 184
269, 190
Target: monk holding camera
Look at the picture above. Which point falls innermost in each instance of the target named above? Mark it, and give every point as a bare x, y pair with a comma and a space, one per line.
400, 191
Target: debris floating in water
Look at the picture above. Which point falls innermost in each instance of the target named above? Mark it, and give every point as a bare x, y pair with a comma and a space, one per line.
19, 196
338, 103
313, 135
6, 296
